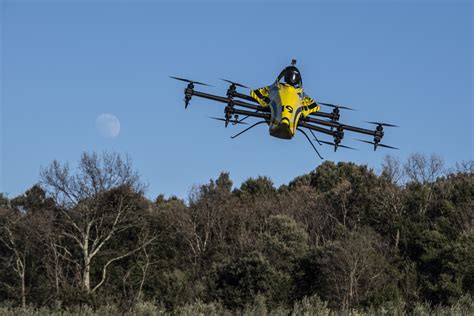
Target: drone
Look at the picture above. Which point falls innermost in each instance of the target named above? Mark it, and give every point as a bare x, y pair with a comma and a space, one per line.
285, 108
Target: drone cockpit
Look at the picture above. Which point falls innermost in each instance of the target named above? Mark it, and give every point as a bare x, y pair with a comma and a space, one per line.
291, 76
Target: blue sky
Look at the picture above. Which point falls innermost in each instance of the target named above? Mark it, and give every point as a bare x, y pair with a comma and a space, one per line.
64, 64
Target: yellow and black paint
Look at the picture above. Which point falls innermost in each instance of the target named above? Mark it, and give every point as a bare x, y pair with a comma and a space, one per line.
287, 104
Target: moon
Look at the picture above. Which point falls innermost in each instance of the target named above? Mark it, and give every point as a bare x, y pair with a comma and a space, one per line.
108, 125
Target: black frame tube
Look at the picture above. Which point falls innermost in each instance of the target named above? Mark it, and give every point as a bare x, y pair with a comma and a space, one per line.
265, 116
318, 129
225, 100
244, 96
343, 126
323, 114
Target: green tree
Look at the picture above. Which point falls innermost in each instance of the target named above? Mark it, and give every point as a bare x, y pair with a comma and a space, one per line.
284, 241
239, 281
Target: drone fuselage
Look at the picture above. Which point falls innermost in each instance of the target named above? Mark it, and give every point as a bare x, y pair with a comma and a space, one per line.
286, 108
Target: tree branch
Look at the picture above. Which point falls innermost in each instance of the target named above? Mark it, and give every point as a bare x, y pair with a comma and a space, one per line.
104, 269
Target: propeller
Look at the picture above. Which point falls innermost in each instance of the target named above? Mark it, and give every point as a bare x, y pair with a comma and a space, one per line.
377, 144
233, 122
191, 81
235, 83
382, 124
188, 92
337, 145
336, 106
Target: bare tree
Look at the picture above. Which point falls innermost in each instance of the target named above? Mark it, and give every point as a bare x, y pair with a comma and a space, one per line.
198, 222
389, 199
92, 213
354, 268
423, 169
392, 169
14, 236
202, 225
146, 262
465, 166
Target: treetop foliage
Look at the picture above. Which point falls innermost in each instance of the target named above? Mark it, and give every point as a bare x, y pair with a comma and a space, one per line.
341, 237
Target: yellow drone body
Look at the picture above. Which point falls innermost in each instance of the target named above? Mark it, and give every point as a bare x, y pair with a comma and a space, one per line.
287, 103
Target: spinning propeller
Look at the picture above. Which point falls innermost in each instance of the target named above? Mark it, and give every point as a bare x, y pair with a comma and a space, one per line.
337, 145
378, 134
188, 92
376, 144
191, 81
335, 106
335, 114
382, 124
235, 121
235, 84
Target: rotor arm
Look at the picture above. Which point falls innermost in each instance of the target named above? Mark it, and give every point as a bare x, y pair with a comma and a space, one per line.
232, 91
265, 116
323, 114
318, 129
335, 113
244, 96
338, 134
343, 126
224, 100
377, 134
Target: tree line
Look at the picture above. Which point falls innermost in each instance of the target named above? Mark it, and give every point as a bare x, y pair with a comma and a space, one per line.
351, 237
